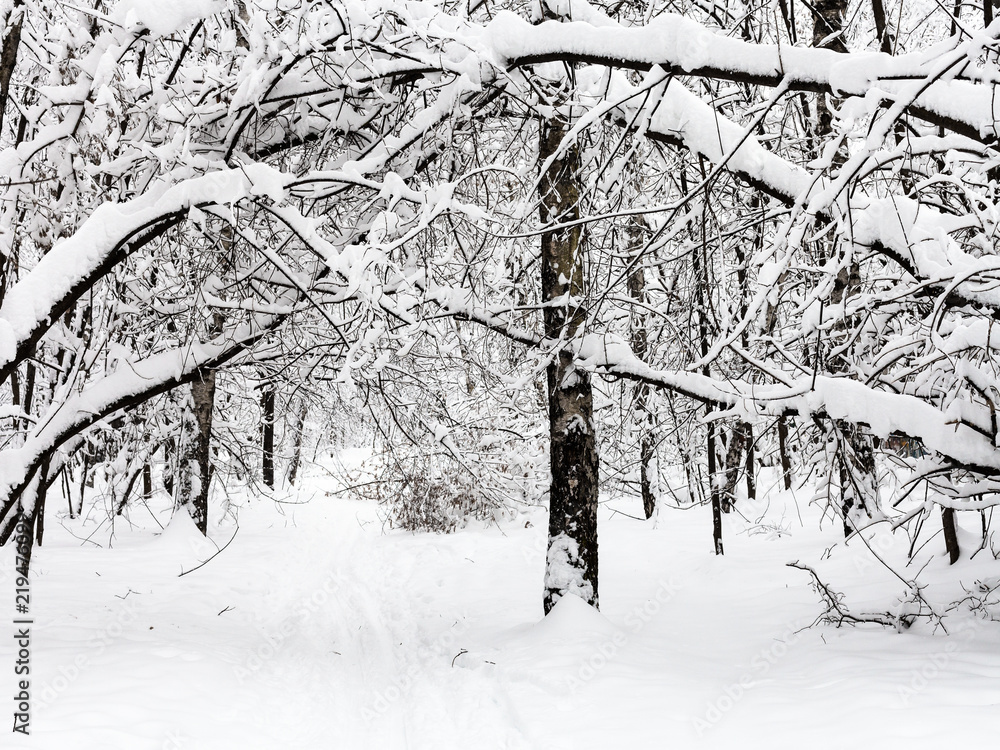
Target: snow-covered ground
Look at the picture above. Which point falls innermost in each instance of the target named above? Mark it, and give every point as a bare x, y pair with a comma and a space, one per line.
316, 629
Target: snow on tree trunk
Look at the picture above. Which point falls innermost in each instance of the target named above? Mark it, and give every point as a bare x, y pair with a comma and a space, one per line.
640, 345
855, 457
571, 564
203, 396
13, 19
300, 426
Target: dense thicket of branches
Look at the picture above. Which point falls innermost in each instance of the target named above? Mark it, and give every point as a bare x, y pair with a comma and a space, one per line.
768, 216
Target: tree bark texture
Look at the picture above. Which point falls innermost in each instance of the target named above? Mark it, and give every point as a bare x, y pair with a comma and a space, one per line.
571, 561
639, 343
203, 396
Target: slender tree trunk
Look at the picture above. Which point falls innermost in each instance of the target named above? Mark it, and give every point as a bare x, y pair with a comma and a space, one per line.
714, 490
27, 520
699, 263
571, 562
639, 342
68, 492
169, 450
786, 464
744, 430
29, 390
855, 453
186, 463
40, 498
267, 433
300, 421
84, 472
950, 534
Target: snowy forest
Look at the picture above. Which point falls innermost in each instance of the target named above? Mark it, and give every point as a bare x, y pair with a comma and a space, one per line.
331, 331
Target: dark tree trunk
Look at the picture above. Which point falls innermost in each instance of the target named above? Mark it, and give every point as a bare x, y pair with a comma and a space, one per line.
886, 42
828, 27
128, 492
68, 491
84, 472
39, 512
699, 263
267, 434
714, 490
29, 390
169, 450
646, 469
8, 57
950, 534
744, 430
571, 562
786, 464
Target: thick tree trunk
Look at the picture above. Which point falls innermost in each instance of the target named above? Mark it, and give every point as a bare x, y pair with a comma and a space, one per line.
12, 21
886, 41
571, 562
828, 28
734, 463
267, 434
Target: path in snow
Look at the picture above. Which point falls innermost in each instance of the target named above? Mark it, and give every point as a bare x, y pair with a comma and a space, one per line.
316, 630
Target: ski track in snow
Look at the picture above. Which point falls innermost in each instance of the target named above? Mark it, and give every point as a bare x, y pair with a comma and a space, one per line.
316, 630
